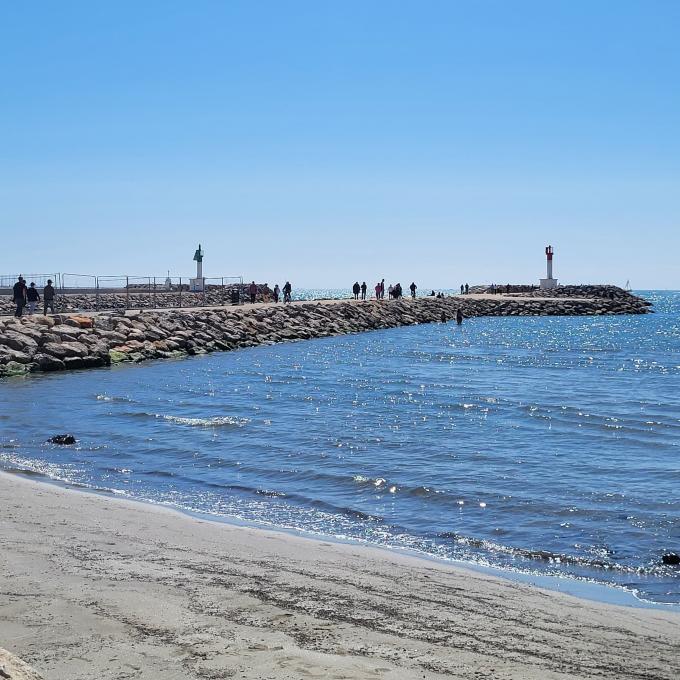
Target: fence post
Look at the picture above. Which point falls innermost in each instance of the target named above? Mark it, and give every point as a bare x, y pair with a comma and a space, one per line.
154, 292
180, 292
96, 293
127, 292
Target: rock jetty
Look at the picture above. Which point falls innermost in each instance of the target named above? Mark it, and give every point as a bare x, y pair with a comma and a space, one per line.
54, 343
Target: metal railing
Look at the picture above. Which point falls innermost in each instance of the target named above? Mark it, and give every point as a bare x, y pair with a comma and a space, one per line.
91, 292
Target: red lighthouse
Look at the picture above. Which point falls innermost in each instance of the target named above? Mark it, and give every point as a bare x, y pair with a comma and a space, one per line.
549, 282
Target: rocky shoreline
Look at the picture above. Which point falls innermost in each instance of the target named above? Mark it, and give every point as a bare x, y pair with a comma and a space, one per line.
60, 342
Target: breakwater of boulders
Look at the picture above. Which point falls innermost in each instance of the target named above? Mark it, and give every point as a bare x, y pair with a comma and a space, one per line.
65, 341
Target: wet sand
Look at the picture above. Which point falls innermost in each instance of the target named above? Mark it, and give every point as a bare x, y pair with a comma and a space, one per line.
98, 587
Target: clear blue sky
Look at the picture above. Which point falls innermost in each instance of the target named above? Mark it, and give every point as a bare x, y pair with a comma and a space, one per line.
324, 142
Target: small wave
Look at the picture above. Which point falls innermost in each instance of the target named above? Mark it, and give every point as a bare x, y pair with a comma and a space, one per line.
554, 558
379, 483
217, 421
107, 397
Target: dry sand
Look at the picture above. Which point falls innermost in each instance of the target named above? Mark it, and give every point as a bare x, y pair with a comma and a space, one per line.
92, 587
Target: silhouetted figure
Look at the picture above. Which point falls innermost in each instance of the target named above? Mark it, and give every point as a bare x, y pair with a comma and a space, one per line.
467, 289
459, 317
378, 291
432, 294
413, 288
443, 317
48, 297
287, 290
462, 289
19, 296
390, 292
32, 297
382, 289
355, 289
364, 288
253, 291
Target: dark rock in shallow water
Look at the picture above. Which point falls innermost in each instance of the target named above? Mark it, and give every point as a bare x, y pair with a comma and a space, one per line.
671, 558
63, 439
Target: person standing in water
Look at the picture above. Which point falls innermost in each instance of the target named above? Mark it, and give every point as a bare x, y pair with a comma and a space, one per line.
459, 317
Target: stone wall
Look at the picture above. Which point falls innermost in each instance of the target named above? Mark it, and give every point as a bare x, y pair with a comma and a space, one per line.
52, 343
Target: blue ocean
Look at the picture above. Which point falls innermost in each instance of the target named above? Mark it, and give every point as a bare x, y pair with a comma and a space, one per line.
546, 445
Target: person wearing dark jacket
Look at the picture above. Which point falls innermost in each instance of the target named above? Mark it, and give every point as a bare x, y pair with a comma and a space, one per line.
355, 290
32, 297
364, 288
19, 296
413, 288
49, 295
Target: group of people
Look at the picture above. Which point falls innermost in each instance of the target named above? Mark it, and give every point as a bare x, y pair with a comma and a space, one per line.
28, 296
394, 292
287, 290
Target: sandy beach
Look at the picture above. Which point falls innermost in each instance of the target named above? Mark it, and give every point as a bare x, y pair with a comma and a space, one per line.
96, 587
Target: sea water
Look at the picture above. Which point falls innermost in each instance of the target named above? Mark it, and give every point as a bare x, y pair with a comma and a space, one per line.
544, 445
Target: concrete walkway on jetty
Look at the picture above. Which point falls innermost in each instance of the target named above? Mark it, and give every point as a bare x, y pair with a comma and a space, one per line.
89, 340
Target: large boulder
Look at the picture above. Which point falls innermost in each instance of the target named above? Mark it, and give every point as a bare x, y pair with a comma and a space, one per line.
62, 350
47, 362
8, 354
18, 341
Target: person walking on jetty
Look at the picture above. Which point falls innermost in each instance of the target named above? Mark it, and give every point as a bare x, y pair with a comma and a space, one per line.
32, 297
413, 288
382, 289
277, 292
48, 297
287, 290
355, 289
364, 288
253, 291
19, 296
